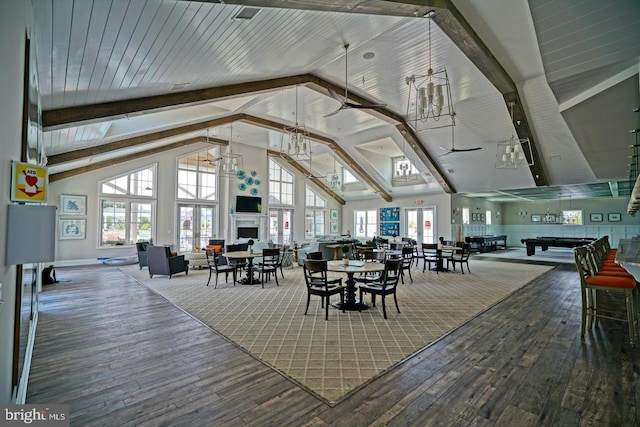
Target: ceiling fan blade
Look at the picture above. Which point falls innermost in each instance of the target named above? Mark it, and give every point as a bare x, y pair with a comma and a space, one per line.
364, 106
335, 96
459, 150
335, 112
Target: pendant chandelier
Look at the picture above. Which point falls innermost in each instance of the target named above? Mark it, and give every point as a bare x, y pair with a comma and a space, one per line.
295, 140
515, 152
334, 179
430, 96
230, 163
404, 171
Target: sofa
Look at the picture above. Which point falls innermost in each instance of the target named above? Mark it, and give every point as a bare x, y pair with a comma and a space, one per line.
321, 246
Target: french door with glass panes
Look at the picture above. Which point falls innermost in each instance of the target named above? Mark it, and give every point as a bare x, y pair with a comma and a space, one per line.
421, 224
280, 226
195, 226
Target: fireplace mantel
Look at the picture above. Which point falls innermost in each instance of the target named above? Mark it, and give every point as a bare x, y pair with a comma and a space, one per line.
248, 220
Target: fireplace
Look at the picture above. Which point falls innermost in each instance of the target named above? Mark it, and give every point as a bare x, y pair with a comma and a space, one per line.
248, 232
248, 226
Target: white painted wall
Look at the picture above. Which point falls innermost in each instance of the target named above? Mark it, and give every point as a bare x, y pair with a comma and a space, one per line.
15, 19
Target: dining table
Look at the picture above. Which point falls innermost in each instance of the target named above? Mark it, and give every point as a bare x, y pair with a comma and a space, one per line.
440, 258
628, 256
354, 266
249, 256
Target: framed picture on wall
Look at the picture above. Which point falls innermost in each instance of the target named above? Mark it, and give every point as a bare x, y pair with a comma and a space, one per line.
73, 205
334, 228
615, 217
595, 217
70, 229
473, 216
334, 214
535, 218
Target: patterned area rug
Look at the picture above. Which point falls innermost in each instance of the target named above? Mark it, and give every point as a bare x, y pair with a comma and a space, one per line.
333, 358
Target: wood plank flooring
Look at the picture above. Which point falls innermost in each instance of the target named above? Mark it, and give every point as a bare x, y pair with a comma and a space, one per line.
121, 356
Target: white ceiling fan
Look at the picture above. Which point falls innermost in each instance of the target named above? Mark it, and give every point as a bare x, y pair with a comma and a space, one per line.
345, 102
453, 148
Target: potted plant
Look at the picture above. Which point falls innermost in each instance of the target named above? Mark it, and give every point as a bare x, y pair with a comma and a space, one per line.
250, 243
345, 254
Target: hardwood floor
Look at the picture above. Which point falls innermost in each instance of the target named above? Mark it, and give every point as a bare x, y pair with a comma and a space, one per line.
121, 355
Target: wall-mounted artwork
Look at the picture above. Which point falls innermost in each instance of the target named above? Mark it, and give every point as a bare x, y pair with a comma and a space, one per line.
389, 214
334, 228
535, 218
389, 228
334, 214
614, 217
73, 205
70, 229
595, 217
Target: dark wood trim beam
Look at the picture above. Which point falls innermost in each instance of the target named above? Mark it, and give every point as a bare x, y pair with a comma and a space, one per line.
346, 158
84, 114
297, 166
415, 143
369, 7
115, 161
142, 139
524, 131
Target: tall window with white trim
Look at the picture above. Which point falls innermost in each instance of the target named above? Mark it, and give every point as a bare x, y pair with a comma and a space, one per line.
314, 216
127, 208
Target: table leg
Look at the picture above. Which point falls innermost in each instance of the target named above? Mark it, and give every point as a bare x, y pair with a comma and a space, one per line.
350, 301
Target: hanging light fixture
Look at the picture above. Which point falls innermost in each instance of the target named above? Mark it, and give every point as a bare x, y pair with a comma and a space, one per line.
230, 163
404, 171
429, 95
334, 178
515, 152
295, 140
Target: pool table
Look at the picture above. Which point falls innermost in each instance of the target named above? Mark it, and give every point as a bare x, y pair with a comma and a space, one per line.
556, 242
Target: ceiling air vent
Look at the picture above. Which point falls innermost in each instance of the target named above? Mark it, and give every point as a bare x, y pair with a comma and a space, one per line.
247, 13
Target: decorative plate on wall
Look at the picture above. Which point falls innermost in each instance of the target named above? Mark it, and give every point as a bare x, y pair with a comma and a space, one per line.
242, 187
256, 182
253, 173
241, 174
249, 181
254, 191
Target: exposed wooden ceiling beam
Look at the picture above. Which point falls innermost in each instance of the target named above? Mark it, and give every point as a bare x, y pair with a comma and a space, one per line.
117, 160
346, 158
410, 136
297, 166
142, 139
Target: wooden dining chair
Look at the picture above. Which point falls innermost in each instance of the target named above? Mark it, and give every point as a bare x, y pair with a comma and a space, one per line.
269, 264
460, 256
318, 283
387, 285
219, 264
406, 262
430, 255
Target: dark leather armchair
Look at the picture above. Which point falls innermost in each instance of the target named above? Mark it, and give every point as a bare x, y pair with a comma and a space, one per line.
162, 263
141, 248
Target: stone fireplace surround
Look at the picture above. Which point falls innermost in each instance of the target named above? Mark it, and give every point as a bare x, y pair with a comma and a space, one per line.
248, 220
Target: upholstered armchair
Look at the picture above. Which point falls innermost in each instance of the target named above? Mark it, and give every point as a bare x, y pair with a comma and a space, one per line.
161, 261
141, 248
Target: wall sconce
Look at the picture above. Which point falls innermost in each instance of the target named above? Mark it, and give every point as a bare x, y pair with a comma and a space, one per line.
521, 214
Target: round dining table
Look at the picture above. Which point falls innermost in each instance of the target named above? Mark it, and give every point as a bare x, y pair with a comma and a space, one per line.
350, 300
249, 256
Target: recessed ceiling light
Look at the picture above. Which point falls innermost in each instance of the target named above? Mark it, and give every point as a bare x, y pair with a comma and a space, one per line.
368, 55
179, 86
247, 13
